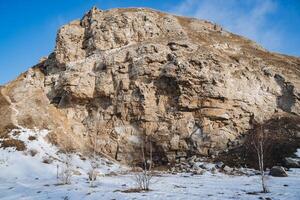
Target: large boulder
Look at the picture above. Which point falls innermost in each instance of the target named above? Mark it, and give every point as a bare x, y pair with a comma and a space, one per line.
133, 75
278, 171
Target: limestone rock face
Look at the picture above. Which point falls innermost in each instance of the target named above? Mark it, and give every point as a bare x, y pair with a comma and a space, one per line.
127, 75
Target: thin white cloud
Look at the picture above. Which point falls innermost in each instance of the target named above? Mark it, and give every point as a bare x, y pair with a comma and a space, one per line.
245, 17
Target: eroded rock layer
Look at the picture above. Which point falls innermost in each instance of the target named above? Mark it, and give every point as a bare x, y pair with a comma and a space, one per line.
130, 74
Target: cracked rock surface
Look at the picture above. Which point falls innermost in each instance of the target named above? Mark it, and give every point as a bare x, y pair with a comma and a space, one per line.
130, 74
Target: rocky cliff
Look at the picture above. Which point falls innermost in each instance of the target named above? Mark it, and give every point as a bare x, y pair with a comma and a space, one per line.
130, 75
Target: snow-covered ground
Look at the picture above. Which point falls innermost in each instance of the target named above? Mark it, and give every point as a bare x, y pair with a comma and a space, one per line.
31, 164
23, 176
172, 187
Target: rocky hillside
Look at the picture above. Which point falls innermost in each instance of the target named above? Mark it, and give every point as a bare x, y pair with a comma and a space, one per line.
134, 75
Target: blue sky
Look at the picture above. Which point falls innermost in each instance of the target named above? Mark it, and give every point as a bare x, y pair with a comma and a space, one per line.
28, 27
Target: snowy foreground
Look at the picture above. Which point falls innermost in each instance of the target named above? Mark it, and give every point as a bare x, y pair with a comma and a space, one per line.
165, 187
23, 175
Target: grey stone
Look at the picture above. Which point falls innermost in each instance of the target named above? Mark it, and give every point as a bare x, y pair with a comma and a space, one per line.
292, 162
227, 169
219, 165
278, 171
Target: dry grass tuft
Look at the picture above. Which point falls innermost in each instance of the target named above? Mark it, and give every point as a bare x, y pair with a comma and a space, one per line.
19, 145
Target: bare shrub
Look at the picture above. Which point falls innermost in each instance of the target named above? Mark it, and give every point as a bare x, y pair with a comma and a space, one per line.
10, 142
65, 172
95, 160
143, 178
